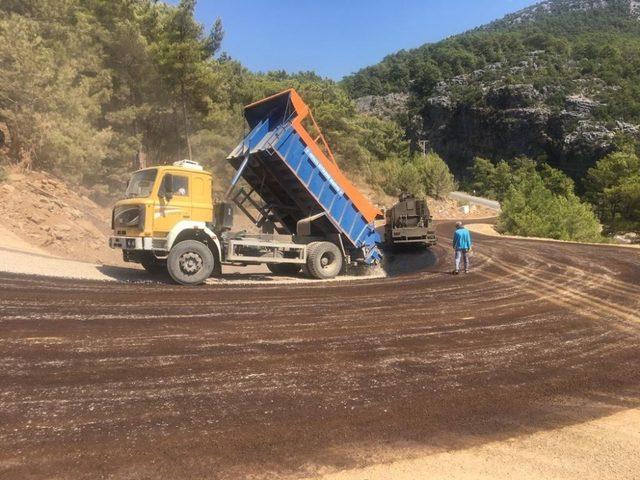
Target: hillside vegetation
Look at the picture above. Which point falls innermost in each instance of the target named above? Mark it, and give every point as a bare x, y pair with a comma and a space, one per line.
558, 82
590, 52
90, 90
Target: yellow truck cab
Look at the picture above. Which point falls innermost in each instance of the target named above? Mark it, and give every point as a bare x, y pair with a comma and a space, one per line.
163, 206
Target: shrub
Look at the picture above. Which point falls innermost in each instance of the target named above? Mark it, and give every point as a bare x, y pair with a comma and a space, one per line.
492, 181
537, 200
613, 186
435, 175
420, 175
532, 209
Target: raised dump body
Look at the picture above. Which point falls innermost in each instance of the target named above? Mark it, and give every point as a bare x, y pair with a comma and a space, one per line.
303, 191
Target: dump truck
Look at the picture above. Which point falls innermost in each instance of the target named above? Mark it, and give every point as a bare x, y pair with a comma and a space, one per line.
308, 215
409, 222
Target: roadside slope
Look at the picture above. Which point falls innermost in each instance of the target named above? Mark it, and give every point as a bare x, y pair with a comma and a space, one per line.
45, 215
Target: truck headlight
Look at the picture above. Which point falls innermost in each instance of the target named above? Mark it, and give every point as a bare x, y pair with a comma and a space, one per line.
159, 243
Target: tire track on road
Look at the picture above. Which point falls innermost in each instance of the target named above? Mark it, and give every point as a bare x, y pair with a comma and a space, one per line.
227, 381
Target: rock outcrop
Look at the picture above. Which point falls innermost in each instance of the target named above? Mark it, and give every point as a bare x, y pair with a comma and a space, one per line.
387, 106
568, 141
504, 120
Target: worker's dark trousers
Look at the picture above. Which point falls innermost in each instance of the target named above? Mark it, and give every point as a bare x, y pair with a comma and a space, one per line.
460, 255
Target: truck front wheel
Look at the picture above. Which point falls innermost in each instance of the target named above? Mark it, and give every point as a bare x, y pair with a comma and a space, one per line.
324, 260
190, 262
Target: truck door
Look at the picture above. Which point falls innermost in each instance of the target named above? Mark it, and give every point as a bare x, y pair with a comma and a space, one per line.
174, 207
201, 202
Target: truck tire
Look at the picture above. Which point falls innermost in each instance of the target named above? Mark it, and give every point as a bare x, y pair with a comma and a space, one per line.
324, 260
285, 269
154, 266
190, 262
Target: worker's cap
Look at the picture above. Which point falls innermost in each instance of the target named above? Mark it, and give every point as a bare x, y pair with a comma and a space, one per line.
458, 224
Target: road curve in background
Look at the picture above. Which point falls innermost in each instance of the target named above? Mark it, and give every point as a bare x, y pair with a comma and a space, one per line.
472, 200
108, 380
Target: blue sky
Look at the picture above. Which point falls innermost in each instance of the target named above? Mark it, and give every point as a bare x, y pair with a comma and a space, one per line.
338, 37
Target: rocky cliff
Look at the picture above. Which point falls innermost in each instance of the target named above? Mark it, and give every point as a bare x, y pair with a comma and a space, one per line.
508, 121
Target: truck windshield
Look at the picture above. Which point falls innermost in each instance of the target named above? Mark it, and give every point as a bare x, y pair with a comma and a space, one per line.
141, 183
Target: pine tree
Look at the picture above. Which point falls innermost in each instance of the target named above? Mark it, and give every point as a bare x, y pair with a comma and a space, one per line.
215, 37
183, 55
613, 185
51, 88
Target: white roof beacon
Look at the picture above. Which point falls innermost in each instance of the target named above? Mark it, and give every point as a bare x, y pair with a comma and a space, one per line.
191, 164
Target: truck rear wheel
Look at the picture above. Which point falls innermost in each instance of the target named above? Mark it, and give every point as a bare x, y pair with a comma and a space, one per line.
284, 268
324, 260
190, 262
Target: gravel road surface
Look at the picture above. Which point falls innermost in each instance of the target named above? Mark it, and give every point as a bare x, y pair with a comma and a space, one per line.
148, 381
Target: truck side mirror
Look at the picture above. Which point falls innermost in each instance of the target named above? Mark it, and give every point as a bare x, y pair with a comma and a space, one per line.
167, 186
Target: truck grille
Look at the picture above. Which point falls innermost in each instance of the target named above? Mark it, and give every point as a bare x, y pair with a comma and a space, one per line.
128, 216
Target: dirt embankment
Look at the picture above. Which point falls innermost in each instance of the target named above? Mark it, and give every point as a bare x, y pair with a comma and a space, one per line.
41, 214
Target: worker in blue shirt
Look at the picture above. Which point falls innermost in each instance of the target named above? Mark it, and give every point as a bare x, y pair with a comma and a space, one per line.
462, 244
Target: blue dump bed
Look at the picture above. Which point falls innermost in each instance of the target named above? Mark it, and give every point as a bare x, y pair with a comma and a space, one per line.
297, 178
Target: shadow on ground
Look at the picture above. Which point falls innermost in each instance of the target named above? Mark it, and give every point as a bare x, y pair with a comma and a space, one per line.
134, 275
408, 260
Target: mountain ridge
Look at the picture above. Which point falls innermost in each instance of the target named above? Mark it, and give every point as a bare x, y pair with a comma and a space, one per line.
554, 7
558, 81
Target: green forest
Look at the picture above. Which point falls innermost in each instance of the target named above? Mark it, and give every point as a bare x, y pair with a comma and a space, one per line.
594, 54
91, 90
591, 48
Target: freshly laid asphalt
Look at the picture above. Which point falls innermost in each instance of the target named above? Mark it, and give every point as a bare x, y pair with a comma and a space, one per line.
145, 380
